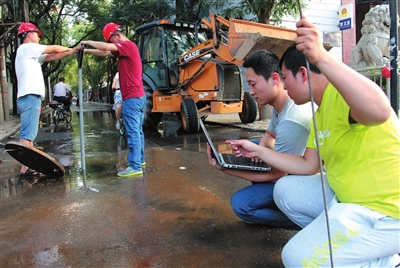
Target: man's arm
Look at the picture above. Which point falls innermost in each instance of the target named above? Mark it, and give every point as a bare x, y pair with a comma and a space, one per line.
114, 83
368, 104
307, 164
100, 45
102, 49
59, 55
268, 139
98, 52
289, 137
55, 49
272, 175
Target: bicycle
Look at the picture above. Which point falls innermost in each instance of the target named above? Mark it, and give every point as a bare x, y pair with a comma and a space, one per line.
122, 127
60, 113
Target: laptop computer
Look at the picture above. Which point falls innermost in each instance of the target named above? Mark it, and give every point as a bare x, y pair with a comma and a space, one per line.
230, 160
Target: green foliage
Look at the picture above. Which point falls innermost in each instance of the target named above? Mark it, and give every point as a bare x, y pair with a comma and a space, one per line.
265, 10
195, 10
54, 19
287, 8
144, 10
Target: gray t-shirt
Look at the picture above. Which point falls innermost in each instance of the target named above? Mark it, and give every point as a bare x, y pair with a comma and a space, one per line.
291, 127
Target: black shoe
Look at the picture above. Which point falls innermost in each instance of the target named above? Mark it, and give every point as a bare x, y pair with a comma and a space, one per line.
28, 181
29, 173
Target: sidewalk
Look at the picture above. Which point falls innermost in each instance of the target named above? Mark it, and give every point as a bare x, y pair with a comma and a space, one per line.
10, 127
234, 120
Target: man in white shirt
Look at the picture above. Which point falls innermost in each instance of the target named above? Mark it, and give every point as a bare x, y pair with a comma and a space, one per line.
62, 93
31, 86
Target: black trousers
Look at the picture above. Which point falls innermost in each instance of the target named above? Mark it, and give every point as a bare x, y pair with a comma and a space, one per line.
65, 100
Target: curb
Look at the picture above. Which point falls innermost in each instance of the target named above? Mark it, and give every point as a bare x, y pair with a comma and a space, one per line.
6, 133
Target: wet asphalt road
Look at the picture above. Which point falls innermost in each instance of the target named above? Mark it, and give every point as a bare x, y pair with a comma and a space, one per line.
176, 215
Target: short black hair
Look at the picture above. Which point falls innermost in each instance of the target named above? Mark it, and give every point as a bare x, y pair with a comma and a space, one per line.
62, 79
293, 59
263, 63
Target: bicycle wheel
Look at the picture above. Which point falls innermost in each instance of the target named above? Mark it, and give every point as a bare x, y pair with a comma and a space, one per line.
57, 117
68, 116
122, 128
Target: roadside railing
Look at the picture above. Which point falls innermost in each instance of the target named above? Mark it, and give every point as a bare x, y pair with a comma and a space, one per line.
375, 74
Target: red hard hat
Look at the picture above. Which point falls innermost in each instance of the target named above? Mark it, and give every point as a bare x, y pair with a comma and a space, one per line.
109, 29
27, 27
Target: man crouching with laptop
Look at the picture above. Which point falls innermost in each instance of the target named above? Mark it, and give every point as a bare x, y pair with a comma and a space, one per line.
287, 133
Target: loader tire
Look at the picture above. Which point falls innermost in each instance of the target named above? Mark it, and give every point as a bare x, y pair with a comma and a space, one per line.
151, 120
250, 107
189, 116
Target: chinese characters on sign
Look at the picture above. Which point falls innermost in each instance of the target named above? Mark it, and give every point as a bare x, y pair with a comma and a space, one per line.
333, 38
346, 17
345, 24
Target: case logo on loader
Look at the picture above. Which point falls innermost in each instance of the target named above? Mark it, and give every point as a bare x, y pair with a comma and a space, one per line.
191, 55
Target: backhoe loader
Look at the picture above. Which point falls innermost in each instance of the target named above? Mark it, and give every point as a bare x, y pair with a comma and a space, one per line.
194, 69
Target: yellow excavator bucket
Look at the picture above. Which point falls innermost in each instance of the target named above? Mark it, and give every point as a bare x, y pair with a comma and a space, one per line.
246, 37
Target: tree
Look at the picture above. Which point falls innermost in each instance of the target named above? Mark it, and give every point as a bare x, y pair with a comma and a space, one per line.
54, 18
66, 23
265, 10
145, 11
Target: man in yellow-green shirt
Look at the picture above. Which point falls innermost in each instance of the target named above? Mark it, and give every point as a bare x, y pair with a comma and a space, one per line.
359, 141
362, 162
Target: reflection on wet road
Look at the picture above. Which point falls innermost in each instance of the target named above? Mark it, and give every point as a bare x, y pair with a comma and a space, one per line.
176, 215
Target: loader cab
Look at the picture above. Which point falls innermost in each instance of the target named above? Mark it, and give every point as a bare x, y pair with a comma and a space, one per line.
161, 44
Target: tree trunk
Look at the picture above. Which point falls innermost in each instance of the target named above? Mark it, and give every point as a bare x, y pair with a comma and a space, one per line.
5, 113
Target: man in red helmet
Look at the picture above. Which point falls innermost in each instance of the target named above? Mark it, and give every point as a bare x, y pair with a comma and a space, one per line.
131, 86
31, 86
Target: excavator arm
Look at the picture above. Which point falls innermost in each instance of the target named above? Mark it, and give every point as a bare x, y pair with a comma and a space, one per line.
216, 24
234, 40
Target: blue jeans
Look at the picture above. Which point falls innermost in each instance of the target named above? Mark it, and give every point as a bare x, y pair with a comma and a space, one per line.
133, 114
255, 204
29, 111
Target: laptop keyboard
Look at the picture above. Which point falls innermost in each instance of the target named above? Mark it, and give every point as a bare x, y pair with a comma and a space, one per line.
232, 159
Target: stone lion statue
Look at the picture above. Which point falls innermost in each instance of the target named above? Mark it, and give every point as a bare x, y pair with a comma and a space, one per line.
373, 47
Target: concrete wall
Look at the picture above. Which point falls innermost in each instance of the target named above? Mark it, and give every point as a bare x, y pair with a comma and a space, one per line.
349, 38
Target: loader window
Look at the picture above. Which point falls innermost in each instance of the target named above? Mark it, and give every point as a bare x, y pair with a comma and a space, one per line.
153, 62
160, 59
182, 40
153, 45
178, 41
